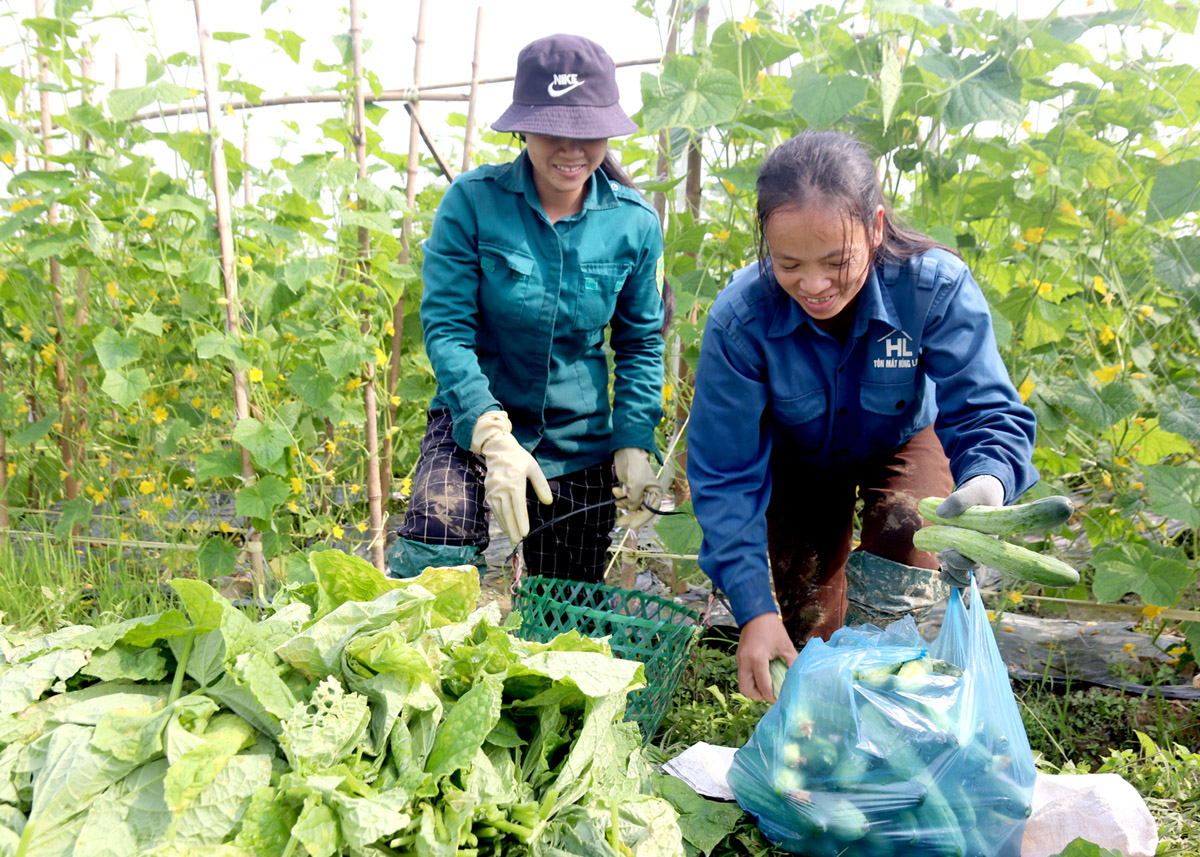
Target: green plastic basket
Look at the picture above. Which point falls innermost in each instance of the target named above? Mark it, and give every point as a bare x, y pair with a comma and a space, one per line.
640, 627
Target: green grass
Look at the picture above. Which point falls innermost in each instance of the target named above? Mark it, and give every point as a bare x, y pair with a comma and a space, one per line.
44, 585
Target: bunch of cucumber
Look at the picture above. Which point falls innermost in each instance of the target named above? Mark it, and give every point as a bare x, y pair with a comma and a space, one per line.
969, 532
888, 773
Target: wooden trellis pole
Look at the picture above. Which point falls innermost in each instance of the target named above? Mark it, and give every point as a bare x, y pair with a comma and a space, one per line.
469, 136
62, 385
374, 489
221, 196
82, 275
410, 193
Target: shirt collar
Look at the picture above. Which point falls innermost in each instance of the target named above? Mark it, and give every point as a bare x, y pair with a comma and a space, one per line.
874, 303
518, 178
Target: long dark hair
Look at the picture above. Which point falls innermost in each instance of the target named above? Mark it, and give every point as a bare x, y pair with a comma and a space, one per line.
833, 168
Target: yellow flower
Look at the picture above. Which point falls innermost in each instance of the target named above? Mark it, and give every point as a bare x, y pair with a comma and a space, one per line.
1138, 376
1098, 285
1106, 334
1019, 246
297, 484
1026, 389
246, 260
1026, 126
1117, 218
730, 188
1016, 597
111, 288
160, 415
146, 486
26, 332
12, 469
338, 532
189, 372
193, 91
1067, 208
749, 25
353, 384
668, 392
255, 375
361, 527
148, 221
293, 508
1044, 289
330, 447
1146, 310
197, 402
1138, 486
354, 489
721, 235
389, 328
229, 109
8, 158
1040, 170
1128, 647
1035, 234
394, 401
48, 353
406, 484
166, 502
215, 413
1105, 374
189, 481
224, 527
1176, 651
381, 357
103, 460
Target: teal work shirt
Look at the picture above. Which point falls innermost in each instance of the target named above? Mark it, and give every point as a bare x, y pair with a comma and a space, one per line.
515, 310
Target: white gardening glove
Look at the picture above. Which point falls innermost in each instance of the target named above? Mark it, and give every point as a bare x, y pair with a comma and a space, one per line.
638, 485
982, 490
509, 467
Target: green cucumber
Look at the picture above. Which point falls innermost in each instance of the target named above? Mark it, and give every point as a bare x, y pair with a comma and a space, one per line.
994, 553
778, 669
1035, 517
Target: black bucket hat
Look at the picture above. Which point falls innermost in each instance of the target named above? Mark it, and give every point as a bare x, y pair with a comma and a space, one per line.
565, 86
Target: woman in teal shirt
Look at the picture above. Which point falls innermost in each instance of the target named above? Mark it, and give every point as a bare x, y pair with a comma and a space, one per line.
526, 266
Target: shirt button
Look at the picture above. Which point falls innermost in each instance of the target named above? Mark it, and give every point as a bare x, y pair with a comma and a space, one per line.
900, 405
841, 412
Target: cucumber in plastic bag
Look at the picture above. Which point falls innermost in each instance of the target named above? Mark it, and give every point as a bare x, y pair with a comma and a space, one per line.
882, 745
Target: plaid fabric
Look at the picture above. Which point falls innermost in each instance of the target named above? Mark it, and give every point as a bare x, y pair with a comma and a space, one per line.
447, 507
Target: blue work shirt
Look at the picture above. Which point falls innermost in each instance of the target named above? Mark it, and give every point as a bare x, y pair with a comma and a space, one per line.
515, 310
920, 351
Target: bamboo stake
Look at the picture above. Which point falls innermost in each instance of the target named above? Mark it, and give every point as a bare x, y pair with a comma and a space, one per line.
220, 182
683, 371
66, 438
82, 275
664, 138
469, 137
374, 490
429, 144
410, 192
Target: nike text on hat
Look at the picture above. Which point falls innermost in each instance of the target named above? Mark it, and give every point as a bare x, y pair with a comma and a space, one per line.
566, 86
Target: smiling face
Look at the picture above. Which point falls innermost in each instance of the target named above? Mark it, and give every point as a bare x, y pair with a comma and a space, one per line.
561, 168
821, 256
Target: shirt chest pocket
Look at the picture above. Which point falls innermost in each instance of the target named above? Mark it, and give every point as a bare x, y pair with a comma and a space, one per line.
894, 400
509, 284
803, 418
596, 297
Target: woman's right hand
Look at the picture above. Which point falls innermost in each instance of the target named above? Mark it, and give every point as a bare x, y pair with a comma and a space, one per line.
763, 638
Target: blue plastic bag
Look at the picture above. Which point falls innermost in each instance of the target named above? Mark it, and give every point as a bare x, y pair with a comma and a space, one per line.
882, 747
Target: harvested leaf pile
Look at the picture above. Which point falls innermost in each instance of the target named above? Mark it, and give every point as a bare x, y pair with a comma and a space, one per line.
362, 716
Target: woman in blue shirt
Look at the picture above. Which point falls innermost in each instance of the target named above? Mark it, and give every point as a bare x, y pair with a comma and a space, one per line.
856, 361
526, 266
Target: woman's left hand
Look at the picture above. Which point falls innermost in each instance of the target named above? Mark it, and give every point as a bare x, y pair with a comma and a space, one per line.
638, 485
982, 490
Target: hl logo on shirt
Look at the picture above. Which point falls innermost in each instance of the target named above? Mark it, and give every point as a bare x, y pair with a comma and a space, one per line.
897, 351
563, 83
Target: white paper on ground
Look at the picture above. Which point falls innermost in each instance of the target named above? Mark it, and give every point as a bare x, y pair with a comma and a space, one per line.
1101, 808
704, 767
